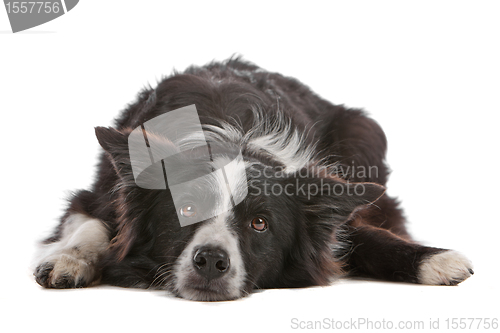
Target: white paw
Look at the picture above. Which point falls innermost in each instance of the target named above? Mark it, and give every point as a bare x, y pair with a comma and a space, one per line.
64, 271
71, 261
445, 268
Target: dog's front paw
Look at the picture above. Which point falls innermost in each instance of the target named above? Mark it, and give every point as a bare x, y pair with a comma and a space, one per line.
64, 271
445, 268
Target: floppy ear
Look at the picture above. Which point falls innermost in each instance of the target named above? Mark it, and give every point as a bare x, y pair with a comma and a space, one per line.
324, 204
115, 143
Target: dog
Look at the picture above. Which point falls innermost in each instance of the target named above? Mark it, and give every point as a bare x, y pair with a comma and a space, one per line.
309, 182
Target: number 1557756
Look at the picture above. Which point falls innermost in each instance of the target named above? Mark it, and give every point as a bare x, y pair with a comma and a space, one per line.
25, 7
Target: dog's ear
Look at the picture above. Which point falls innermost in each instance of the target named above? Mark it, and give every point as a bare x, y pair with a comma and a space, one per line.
110, 139
115, 143
324, 204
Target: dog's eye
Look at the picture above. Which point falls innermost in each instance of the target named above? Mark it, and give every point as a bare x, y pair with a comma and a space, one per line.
188, 210
259, 224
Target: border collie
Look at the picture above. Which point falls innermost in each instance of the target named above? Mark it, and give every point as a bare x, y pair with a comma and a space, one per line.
309, 182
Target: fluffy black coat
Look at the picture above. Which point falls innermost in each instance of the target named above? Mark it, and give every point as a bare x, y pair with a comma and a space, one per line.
310, 240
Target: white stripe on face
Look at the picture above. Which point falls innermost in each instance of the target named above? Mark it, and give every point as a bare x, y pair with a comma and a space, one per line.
214, 233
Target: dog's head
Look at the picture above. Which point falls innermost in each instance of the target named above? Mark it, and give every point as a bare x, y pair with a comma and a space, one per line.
282, 233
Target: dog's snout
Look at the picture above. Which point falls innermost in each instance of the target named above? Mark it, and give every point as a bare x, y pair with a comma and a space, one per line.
211, 262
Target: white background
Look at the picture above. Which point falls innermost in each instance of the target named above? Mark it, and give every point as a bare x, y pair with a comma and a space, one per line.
427, 71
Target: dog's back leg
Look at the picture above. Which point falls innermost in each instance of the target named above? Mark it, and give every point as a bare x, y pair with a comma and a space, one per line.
70, 260
378, 253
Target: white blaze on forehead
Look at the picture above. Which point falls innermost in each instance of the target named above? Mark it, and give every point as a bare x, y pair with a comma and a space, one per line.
214, 233
286, 146
276, 136
235, 177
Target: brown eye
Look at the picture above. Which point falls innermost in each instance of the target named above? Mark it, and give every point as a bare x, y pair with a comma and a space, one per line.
188, 210
259, 224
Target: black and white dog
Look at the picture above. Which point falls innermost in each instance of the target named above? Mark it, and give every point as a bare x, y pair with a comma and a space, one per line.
314, 207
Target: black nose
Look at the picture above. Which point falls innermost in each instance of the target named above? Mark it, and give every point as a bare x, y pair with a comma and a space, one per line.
211, 262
